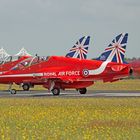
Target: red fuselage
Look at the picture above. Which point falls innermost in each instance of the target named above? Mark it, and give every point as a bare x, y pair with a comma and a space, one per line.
66, 72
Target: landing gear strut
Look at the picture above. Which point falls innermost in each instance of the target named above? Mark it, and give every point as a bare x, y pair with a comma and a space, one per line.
82, 90
55, 91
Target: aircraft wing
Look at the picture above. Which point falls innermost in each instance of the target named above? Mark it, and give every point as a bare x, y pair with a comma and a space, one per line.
61, 79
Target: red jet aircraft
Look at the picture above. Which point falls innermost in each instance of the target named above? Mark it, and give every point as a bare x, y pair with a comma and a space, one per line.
80, 50
57, 73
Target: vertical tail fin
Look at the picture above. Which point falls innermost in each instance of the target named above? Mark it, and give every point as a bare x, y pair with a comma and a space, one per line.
116, 50
80, 49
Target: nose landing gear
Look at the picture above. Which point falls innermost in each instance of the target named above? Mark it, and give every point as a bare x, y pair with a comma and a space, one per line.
13, 91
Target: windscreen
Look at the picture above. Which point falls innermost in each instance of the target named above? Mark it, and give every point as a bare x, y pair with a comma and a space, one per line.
30, 61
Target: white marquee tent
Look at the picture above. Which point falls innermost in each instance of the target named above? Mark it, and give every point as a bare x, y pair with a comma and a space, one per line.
23, 52
3, 54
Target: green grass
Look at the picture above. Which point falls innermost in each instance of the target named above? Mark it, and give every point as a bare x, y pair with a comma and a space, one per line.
76, 119
129, 84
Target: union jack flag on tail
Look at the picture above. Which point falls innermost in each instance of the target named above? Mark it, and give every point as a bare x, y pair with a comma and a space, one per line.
116, 50
80, 49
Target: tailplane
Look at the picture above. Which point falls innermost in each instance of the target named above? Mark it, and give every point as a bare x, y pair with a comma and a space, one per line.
116, 50
80, 49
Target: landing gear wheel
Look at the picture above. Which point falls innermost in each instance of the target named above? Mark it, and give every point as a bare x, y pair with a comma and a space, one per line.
82, 90
13, 91
55, 91
26, 87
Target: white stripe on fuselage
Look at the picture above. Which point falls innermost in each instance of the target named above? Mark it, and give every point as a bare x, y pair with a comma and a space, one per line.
23, 75
91, 72
100, 69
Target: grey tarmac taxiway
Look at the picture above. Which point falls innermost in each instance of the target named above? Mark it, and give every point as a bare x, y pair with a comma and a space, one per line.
69, 94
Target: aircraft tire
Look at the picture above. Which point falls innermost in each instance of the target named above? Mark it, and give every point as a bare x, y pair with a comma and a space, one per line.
13, 91
26, 87
82, 90
56, 91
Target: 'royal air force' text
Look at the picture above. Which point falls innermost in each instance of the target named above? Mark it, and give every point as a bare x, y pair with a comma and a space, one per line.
62, 73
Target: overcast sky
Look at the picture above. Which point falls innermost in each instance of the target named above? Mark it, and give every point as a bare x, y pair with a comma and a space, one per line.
51, 27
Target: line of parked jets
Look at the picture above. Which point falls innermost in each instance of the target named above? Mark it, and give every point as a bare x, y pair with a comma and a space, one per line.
73, 71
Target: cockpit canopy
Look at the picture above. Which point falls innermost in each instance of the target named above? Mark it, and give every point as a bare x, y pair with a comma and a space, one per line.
30, 61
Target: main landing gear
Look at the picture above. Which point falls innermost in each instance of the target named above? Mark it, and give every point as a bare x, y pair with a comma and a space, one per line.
82, 90
55, 91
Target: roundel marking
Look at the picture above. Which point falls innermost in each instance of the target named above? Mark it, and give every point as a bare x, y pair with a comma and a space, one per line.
85, 72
